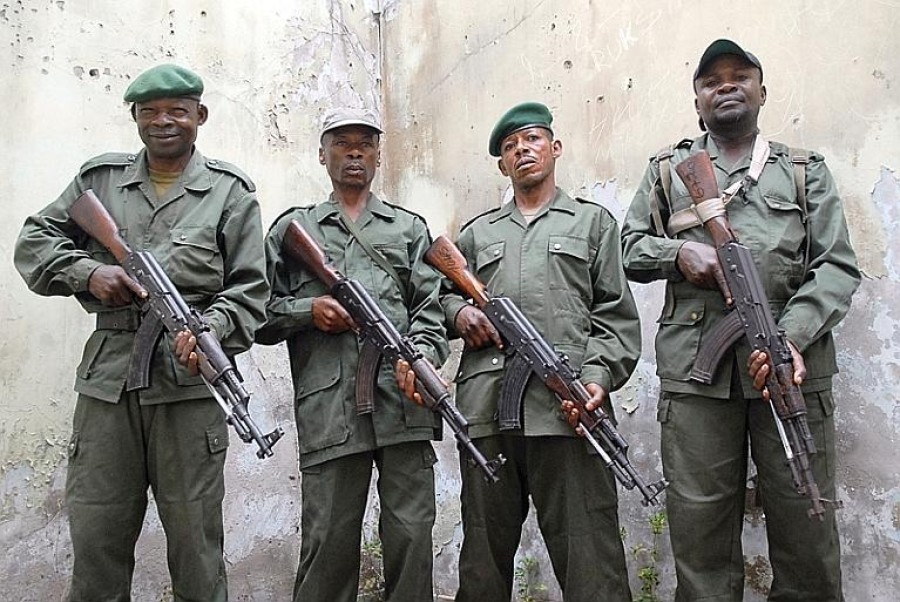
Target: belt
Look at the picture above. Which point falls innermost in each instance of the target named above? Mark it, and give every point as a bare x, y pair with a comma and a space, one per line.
119, 319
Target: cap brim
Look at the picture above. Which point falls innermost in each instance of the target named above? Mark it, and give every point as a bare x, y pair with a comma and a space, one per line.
717, 49
345, 122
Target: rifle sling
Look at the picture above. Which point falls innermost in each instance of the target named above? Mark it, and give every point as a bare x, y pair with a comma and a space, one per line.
374, 253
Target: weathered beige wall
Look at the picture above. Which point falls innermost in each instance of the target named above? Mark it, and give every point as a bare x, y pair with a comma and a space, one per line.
616, 75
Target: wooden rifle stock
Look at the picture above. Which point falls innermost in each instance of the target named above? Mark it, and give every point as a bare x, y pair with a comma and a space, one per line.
91, 216
699, 175
304, 248
447, 259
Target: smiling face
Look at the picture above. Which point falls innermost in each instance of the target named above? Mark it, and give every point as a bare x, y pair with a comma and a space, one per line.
351, 155
168, 128
729, 94
528, 157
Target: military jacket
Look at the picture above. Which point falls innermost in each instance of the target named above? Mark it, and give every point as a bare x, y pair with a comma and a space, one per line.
323, 365
207, 236
809, 295
564, 271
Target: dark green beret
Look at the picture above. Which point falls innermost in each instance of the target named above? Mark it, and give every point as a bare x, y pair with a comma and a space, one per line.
525, 115
164, 81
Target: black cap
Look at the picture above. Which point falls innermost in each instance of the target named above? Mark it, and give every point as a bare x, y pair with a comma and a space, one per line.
720, 47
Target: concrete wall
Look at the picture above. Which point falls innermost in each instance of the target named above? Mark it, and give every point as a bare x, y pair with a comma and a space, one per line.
616, 76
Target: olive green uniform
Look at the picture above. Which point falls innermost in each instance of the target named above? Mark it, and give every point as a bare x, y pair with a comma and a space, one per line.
206, 234
337, 445
564, 271
705, 428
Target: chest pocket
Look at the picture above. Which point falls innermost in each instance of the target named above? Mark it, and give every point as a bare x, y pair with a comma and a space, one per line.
569, 264
488, 260
393, 294
785, 225
195, 262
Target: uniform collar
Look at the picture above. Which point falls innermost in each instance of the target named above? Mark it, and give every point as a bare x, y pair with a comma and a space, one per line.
562, 202
331, 209
196, 175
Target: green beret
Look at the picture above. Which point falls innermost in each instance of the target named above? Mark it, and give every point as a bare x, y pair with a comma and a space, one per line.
525, 115
164, 81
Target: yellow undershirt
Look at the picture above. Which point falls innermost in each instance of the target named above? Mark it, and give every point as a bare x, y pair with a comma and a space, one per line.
163, 180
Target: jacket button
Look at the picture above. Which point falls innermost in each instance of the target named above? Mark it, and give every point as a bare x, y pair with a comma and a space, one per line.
557, 246
694, 315
495, 361
496, 252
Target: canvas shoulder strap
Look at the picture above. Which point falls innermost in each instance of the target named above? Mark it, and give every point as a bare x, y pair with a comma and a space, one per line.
372, 252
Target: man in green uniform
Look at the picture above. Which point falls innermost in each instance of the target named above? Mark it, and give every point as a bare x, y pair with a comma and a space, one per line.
559, 260
382, 246
199, 217
808, 268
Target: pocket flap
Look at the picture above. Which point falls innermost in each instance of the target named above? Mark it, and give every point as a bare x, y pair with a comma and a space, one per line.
781, 204
684, 312
569, 245
216, 440
481, 361
490, 254
202, 237
313, 381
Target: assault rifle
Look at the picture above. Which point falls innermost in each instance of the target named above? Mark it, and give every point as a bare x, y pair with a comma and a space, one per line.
165, 309
751, 316
380, 338
533, 355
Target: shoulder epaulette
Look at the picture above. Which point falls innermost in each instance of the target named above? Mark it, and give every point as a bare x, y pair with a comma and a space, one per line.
284, 214
480, 215
111, 159
404, 210
228, 168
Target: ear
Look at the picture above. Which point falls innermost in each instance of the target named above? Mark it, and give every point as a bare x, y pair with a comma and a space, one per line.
378, 158
502, 168
762, 95
696, 106
557, 148
321, 156
203, 114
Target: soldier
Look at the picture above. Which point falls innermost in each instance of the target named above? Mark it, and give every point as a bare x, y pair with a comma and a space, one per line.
200, 218
382, 246
559, 260
788, 212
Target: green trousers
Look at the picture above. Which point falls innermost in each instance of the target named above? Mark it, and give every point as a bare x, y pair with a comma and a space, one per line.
704, 453
335, 494
116, 453
574, 495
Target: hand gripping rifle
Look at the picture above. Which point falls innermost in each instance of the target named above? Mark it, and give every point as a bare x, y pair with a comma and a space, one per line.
533, 355
751, 316
380, 338
165, 309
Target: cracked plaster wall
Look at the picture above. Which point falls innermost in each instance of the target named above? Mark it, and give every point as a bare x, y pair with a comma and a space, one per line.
617, 78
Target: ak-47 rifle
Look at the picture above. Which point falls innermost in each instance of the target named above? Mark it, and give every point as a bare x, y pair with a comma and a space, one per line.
531, 355
380, 338
165, 309
751, 316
